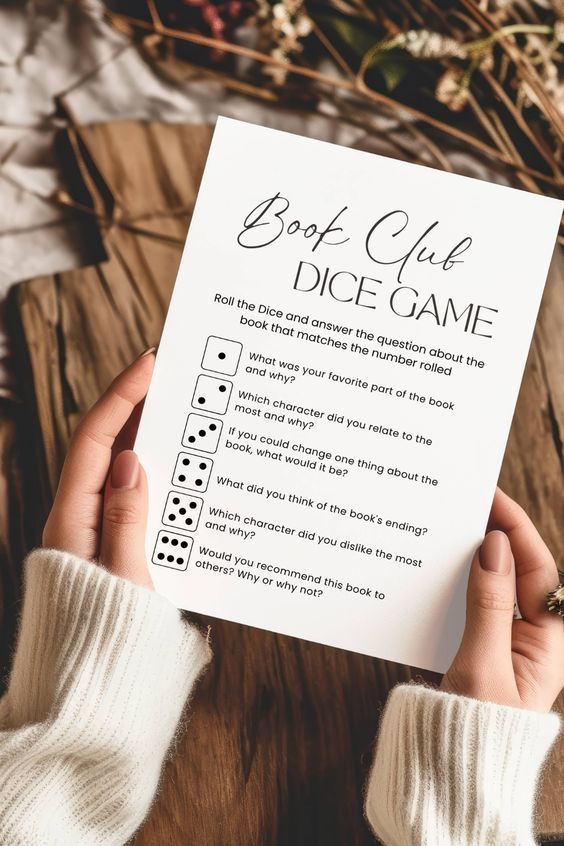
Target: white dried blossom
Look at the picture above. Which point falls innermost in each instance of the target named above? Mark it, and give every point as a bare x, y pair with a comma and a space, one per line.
304, 25
280, 12
425, 44
285, 24
554, 86
452, 89
277, 73
486, 61
542, 53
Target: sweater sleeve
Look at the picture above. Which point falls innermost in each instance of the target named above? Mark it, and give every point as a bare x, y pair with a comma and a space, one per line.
101, 674
454, 771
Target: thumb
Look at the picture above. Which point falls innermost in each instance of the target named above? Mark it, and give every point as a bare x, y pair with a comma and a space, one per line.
490, 602
122, 548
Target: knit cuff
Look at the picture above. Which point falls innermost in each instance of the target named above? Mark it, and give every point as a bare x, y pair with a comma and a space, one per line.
83, 628
453, 770
101, 674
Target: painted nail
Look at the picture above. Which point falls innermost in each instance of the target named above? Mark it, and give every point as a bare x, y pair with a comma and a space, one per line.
148, 351
495, 553
125, 470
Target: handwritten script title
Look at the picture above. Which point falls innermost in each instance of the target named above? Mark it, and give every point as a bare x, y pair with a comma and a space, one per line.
389, 242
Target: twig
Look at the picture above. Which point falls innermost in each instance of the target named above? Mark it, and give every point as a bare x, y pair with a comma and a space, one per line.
520, 61
333, 52
356, 86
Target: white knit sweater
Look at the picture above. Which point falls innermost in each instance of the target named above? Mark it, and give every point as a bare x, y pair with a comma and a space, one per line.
100, 676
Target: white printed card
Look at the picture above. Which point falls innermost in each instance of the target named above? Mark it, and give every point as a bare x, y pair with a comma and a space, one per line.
334, 389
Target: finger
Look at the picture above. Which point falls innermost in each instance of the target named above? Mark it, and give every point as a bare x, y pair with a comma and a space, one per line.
87, 463
74, 520
122, 547
490, 600
536, 572
75, 517
125, 439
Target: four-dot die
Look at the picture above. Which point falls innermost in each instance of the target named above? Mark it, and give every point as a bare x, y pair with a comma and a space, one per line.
192, 471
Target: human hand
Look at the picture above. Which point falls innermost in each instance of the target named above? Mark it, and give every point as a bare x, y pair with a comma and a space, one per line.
97, 513
512, 662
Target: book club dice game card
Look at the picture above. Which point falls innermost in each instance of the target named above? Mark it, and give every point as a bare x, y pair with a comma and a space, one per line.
334, 389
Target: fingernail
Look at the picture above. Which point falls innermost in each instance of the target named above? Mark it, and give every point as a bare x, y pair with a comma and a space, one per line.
495, 553
125, 470
148, 351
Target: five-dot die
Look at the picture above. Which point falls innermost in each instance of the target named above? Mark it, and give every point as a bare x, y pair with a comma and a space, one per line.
192, 471
182, 511
172, 550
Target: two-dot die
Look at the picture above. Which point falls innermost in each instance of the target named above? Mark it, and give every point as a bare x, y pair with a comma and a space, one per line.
212, 394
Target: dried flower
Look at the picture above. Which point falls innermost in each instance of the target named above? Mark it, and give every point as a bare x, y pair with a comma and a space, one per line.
486, 60
284, 26
543, 53
452, 89
213, 18
424, 44
382, 48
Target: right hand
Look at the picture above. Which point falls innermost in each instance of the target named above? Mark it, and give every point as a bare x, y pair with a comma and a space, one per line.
512, 662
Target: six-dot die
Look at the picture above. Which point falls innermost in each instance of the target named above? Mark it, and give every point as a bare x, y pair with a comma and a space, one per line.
172, 550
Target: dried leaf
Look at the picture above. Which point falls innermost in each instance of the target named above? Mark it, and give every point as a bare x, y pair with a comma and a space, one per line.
351, 33
393, 69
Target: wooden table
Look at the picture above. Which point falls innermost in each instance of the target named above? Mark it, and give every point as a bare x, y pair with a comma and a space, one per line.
281, 730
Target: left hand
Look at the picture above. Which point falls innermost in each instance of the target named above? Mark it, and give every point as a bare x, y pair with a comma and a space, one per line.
100, 509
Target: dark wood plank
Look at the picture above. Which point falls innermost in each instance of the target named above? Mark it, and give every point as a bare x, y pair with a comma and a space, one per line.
13, 518
280, 730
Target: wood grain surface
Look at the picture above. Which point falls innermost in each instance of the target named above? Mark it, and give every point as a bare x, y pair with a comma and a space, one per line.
280, 730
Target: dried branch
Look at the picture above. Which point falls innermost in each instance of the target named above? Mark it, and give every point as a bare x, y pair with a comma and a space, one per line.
500, 130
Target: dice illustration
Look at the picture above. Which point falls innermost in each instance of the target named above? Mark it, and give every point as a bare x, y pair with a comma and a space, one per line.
192, 471
221, 355
182, 511
212, 394
172, 550
202, 432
